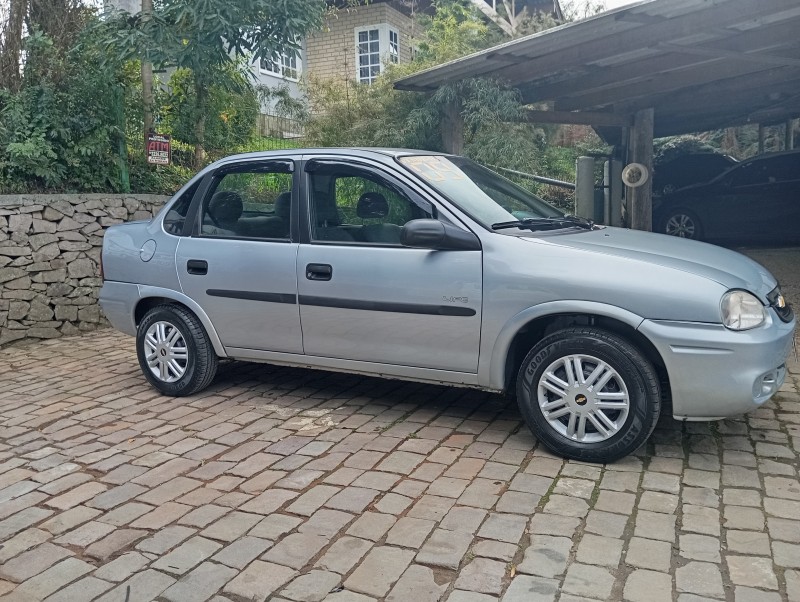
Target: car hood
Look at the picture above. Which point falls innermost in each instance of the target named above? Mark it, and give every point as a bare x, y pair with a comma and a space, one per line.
728, 268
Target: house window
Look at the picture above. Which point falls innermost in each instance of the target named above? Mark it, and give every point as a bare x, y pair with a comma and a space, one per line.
375, 45
286, 66
369, 55
394, 46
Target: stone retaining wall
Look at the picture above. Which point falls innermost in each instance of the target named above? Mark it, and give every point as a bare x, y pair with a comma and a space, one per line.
49, 259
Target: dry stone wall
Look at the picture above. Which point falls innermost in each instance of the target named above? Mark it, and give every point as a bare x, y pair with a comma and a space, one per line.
49, 259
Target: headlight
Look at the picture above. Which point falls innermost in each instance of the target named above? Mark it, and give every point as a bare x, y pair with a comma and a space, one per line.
742, 311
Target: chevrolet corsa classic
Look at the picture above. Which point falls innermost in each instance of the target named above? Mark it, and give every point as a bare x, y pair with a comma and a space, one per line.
428, 267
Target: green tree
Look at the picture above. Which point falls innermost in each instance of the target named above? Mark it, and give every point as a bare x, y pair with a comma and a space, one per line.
208, 37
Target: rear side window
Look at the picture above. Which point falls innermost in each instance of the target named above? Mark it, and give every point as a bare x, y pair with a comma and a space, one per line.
176, 215
249, 202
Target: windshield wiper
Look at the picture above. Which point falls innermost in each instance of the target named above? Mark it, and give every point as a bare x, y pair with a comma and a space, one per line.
546, 223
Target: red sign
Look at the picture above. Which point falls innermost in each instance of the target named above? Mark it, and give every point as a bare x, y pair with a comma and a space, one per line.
159, 149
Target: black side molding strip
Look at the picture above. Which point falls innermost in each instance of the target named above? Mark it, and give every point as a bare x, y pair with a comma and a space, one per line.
401, 308
253, 296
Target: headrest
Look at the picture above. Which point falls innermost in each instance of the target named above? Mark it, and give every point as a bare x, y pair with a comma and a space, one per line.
283, 205
225, 208
372, 204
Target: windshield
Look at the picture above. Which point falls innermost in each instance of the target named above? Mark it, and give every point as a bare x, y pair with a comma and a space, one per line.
485, 196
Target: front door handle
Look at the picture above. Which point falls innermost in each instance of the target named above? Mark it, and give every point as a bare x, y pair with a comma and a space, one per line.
319, 271
197, 267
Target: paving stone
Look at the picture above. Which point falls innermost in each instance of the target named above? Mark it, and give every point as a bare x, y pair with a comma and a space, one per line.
786, 554
589, 581
381, 568
141, 587
85, 534
418, 583
574, 488
620, 481
700, 547
741, 497
518, 502
649, 554
125, 514
69, 519
552, 524
737, 517
312, 500
242, 552
188, 555
654, 525
326, 522
700, 578
258, 581
231, 526
495, 549
462, 596
648, 586
655, 501
566, 506
605, 523
392, 503
84, 590
464, 519
752, 571
76, 496
33, 562
615, 501
269, 501
312, 586
546, 556
352, 499
748, 542
604, 551
482, 575
114, 542
409, 532
371, 525
445, 549
529, 483
296, 550
661, 482
524, 588
792, 585
115, 496
782, 508
274, 526
21, 542
748, 594
53, 579
431, 507
344, 554
203, 515
162, 516
202, 583
122, 567
699, 496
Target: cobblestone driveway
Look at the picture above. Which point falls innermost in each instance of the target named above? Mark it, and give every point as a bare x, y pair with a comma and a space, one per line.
291, 484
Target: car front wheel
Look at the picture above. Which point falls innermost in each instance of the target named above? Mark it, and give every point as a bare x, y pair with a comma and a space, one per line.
682, 223
588, 394
174, 351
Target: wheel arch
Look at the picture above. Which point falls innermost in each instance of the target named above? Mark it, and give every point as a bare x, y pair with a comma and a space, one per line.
529, 327
150, 296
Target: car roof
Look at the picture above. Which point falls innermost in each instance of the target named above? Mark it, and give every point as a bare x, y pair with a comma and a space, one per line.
345, 151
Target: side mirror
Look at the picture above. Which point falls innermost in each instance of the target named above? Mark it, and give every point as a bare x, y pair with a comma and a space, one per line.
433, 234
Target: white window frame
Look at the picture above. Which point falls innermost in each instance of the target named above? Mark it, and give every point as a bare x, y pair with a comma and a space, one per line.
283, 68
385, 53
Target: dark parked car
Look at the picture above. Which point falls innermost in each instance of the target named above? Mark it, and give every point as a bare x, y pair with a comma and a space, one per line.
758, 200
687, 170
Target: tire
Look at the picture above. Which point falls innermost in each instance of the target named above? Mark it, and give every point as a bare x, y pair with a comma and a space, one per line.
173, 330
630, 385
682, 223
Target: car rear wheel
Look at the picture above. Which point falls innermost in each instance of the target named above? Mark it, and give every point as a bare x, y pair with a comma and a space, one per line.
174, 351
588, 394
682, 223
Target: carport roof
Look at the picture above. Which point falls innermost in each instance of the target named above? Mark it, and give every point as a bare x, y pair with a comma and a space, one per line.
701, 64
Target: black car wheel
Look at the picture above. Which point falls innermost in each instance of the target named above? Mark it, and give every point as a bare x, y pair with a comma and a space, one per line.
588, 394
174, 351
682, 223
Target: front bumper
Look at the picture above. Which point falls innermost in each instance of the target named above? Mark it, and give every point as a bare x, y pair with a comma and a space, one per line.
715, 372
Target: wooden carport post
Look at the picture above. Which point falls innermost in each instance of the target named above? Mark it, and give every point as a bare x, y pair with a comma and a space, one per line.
640, 200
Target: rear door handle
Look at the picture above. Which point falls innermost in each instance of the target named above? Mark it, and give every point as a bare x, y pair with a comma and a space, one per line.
319, 271
197, 267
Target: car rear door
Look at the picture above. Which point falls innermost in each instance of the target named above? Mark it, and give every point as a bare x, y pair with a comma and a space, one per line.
363, 296
239, 264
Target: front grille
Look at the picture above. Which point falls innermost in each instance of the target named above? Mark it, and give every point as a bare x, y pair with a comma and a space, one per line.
785, 313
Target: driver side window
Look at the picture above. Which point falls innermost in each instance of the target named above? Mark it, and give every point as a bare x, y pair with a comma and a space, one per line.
357, 206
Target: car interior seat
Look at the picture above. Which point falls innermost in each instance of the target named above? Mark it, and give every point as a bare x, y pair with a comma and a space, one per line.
223, 212
373, 205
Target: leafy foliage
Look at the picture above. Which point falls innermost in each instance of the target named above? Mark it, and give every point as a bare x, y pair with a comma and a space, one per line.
58, 131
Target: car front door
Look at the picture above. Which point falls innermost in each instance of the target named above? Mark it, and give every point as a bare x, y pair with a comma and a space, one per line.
239, 264
363, 296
